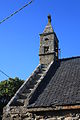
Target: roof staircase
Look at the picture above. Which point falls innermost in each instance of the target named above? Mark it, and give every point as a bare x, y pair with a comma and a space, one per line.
23, 95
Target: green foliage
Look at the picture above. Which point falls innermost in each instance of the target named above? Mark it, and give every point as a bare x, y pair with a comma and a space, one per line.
7, 89
10, 86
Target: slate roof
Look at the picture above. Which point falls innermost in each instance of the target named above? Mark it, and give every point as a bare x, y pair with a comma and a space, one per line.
61, 85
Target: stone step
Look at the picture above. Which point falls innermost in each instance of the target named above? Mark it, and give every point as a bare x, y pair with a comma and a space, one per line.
43, 65
26, 91
29, 86
40, 74
23, 96
43, 69
33, 82
20, 102
37, 77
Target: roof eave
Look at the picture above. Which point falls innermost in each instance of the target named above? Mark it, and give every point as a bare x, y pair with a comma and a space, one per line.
54, 108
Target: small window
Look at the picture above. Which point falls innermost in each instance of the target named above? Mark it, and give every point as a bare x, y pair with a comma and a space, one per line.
46, 39
46, 49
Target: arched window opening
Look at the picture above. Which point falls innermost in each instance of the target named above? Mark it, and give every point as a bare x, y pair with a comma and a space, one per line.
46, 49
46, 39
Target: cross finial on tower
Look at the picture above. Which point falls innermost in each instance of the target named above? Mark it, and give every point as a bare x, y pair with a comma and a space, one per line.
49, 18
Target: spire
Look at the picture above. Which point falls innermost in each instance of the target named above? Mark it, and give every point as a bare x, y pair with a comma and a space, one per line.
48, 28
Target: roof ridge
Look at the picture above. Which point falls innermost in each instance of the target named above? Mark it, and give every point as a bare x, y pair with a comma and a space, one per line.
68, 58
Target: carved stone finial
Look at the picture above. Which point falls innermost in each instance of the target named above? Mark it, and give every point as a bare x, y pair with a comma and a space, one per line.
49, 18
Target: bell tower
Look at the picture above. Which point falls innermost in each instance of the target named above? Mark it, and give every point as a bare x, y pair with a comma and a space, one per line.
48, 51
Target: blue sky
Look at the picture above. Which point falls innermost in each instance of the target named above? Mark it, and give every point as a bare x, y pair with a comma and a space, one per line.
19, 36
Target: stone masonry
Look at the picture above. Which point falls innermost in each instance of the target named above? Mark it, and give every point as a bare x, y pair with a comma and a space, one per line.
48, 44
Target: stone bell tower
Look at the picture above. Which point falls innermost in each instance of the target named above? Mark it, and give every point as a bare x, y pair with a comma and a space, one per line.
48, 51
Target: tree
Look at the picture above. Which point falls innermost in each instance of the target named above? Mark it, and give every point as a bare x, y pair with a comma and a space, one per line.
7, 89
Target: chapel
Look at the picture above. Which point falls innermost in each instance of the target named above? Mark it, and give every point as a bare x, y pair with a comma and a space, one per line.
52, 91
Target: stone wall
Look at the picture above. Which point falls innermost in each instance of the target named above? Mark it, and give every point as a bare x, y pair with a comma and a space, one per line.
23, 114
46, 59
48, 48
